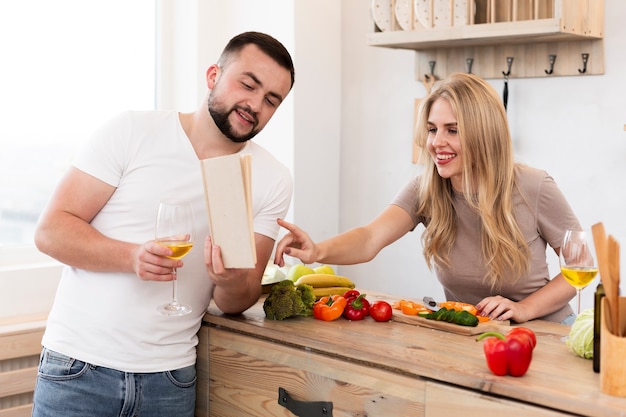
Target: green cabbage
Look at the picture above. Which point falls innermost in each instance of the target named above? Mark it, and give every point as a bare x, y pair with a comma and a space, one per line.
580, 340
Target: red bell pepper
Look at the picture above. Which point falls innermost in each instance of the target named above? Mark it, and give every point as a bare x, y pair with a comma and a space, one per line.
357, 307
532, 339
329, 308
351, 294
510, 354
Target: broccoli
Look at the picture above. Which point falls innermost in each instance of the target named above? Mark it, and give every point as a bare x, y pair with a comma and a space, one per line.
287, 300
307, 297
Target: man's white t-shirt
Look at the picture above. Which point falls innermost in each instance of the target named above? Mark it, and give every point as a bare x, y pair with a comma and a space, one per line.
111, 319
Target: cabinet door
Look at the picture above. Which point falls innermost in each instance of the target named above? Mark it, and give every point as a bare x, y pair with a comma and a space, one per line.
245, 373
445, 400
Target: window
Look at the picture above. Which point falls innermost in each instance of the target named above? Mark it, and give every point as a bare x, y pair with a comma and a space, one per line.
68, 65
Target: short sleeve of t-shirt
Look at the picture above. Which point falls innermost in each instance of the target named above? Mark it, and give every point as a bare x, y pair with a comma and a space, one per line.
407, 199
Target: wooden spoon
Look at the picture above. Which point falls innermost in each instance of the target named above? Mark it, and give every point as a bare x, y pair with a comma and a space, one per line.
600, 242
613, 257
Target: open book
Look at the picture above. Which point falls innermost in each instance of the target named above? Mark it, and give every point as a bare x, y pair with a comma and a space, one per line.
228, 193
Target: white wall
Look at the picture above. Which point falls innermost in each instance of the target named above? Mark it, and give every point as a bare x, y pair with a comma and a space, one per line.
345, 131
571, 126
311, 31
195, 32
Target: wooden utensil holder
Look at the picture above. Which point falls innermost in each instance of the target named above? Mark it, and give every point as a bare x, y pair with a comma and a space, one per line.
613, 353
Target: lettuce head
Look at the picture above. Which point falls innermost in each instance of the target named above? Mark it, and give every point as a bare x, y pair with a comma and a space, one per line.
580, 340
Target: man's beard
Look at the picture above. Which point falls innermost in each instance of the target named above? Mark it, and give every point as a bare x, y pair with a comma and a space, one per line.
220, 118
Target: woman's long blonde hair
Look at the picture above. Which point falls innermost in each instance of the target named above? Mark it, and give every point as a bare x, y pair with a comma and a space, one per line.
488, 179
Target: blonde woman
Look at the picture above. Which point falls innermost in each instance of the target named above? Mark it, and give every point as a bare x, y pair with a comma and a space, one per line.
487, 219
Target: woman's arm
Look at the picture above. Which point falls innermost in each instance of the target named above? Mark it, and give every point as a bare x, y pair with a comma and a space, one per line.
552, 297
357, 245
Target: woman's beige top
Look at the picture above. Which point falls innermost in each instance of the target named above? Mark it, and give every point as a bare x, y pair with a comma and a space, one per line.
543, 215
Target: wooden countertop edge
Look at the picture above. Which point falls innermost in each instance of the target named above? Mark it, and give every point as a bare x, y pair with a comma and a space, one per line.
483, 385
550, 395
23, 324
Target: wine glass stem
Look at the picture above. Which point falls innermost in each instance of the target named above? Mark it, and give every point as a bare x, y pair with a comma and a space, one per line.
175, 288
578, 295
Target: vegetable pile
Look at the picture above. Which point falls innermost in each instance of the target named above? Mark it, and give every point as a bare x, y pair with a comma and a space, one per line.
510, 354
287, 300
353, 306
455, 312
580, 340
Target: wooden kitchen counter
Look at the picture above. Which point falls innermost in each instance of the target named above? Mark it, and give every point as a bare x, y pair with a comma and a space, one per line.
392, 369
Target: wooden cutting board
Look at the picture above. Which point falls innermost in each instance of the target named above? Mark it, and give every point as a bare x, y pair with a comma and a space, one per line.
497, 326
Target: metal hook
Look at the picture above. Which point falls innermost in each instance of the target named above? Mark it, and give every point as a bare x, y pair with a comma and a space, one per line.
552, 59
509, 63
469, 62
432, 70
585, 59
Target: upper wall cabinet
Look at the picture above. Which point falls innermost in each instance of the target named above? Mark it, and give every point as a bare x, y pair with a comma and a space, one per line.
492, 38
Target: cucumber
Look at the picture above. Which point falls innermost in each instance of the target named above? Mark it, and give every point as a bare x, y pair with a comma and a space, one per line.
462, 318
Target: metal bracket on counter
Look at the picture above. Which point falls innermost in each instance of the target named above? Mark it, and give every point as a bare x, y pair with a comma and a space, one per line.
304, 408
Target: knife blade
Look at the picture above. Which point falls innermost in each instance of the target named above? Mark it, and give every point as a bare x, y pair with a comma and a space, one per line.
430, 302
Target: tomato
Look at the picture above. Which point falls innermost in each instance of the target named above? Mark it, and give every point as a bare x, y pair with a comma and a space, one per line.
381, 311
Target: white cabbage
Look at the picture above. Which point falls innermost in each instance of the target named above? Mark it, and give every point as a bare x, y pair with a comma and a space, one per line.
580, 340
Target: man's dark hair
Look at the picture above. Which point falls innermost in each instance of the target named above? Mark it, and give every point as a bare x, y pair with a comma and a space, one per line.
269, 45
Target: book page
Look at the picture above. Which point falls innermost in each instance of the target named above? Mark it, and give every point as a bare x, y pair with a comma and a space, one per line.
228, 196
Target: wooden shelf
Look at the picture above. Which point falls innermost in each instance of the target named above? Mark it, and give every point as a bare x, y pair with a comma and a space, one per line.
529, 31
543, 30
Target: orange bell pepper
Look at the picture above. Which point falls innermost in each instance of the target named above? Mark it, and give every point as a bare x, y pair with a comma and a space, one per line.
329, 308
458, 306
411, 308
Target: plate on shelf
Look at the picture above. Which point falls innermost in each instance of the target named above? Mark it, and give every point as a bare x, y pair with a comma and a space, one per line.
383, 14
422, 12
462, 12
442, 14
406, 16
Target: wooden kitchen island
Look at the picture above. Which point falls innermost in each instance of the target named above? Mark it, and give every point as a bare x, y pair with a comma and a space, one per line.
392, 369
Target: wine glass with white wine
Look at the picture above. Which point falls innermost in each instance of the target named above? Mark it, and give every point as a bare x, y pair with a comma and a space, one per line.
174, 229
577, 259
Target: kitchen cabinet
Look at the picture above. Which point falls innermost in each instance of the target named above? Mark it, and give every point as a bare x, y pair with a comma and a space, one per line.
544, 37
366, 368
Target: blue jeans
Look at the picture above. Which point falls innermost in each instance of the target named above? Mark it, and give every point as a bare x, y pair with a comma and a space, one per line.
67, 387
569, 320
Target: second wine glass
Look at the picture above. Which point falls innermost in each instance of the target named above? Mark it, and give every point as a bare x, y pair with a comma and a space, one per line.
174, 229
577, 259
